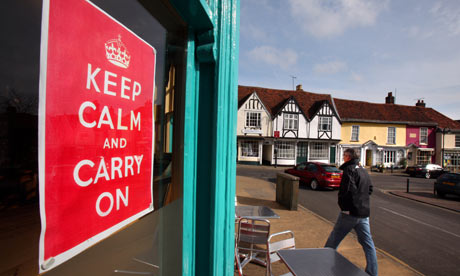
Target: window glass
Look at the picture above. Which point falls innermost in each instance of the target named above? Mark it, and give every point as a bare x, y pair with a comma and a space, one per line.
312, 168
423, 135
301, 167
423, 157
325, 123
291, 121
19, 79
329, 168
253, 119
457, 140
391, 135
389, 156
319, 151
355, 133
250, 148
286, 150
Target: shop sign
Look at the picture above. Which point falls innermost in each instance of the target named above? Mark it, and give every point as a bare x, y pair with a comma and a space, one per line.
277, 134
252, 131
95, 128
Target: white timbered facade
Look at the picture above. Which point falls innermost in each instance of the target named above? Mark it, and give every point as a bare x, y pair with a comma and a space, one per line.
288, 136
254, 123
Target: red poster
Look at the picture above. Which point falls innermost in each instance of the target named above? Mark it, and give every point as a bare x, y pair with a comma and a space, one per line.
95, 128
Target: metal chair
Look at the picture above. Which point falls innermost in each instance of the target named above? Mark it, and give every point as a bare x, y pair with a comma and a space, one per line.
273, 247
251, 242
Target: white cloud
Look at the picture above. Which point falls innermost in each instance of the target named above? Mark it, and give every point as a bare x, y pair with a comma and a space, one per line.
447, 13
330, 67
284, 58
327, 18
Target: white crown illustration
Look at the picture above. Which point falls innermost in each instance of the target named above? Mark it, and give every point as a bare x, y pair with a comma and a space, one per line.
116, 52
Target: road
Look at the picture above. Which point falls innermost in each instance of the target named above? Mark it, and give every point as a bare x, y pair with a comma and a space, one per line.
425, 237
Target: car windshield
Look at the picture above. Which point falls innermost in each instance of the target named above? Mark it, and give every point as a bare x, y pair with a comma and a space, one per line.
452, 176
330, 168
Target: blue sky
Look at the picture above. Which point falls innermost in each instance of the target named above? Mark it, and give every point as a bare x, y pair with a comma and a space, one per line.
355, 49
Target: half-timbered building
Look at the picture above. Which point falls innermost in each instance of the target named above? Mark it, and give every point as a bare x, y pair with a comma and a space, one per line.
299, 126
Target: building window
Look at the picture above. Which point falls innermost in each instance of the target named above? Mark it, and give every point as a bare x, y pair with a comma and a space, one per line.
457, 141
286, 150
253, 119
325, 123
391, 135
250, 148
354, 133
423, 157
291, 121
389, 156
319, 151
424, 135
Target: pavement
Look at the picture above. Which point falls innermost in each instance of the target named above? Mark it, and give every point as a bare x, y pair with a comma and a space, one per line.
310, 230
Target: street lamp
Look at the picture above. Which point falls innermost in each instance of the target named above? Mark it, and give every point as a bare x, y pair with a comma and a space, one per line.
444, 131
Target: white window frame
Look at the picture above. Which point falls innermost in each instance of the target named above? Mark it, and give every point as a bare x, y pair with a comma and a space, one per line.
391, 137
252, 122
389, 157
285, 150
291, 121
249, 148
328, 123
354, 134
318, 151
423, 135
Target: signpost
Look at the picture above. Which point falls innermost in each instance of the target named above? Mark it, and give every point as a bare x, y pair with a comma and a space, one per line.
95, 128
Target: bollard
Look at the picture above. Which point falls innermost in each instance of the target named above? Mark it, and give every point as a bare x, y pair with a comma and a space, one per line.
407, 189
434, 188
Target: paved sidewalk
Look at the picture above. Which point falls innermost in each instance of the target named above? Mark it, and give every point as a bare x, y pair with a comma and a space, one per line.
310, 230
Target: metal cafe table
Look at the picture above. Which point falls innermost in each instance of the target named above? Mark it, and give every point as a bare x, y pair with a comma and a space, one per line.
255, 212
318, 261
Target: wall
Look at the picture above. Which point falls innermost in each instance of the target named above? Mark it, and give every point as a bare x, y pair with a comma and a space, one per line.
374, 132
336, 128
303, 125
414, 131
265, 121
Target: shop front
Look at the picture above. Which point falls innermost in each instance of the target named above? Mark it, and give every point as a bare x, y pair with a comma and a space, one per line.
118, 145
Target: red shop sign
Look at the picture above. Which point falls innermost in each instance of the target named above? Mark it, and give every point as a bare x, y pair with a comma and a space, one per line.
95, 128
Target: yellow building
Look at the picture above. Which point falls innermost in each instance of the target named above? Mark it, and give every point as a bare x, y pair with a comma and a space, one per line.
376, 131
375, 143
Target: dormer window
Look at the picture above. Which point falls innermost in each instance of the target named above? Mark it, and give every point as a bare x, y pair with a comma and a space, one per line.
291, 121
253, 119
325, 123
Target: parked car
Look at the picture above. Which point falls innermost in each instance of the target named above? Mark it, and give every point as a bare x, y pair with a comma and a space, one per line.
427, 171
448, 183
317, 174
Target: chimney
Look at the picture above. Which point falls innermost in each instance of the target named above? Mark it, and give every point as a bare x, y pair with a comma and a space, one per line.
420, 103
298, 87
390, 99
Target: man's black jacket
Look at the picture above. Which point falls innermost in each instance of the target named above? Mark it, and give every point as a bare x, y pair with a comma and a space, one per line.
355, 189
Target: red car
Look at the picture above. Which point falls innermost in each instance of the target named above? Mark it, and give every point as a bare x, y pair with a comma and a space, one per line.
317, 174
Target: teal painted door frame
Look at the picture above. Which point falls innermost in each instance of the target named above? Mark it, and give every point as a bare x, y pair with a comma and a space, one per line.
210, 135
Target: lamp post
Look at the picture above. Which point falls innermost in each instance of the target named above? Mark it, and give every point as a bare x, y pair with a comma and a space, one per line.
444, 131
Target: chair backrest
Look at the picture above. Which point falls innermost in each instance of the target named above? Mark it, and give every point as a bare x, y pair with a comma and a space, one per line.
284, 240
252, 232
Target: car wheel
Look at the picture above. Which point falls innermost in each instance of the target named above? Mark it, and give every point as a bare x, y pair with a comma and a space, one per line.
427, 175
440, 194
314, 184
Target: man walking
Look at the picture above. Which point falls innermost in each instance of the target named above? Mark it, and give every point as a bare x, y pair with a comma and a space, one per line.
354, 194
